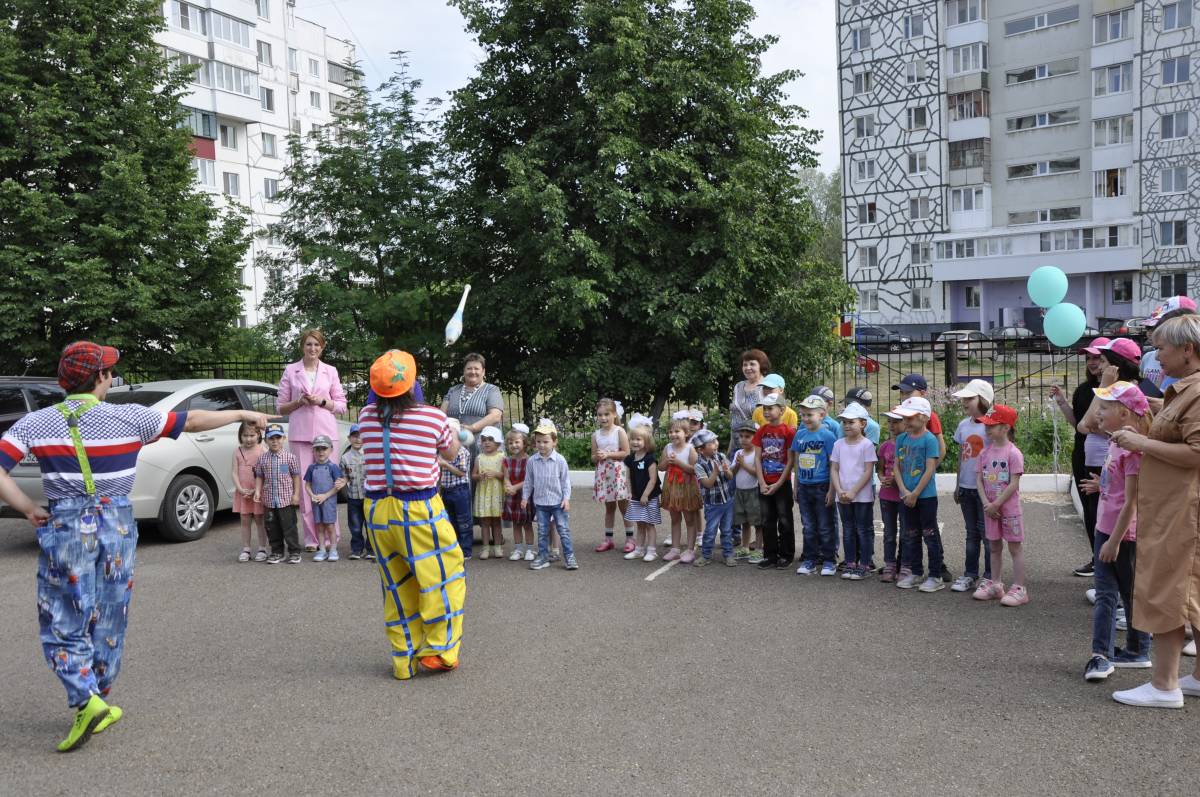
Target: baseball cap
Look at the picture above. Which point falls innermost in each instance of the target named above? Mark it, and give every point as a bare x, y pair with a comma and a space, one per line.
855, 411
859, 394
695, 415
1126, 393
545, 426
491, 433
914, 405
772, 400
814, 403
322, 441
1125, 348
274, 430
354, 429
978, 388
1169, 306
745, 426
1094, 347
774, 381
910, 383
894, 414
1000, 414
82, 360
702, 437
393, 373
824, 392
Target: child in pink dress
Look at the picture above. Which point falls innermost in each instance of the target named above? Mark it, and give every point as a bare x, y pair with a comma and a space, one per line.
998, 479
245, 457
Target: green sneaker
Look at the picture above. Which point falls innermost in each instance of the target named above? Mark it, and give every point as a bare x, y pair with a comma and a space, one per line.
86, 720
742, 553
113, 717
755, 557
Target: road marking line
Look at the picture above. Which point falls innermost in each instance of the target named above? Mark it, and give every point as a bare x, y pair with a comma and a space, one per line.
661, 570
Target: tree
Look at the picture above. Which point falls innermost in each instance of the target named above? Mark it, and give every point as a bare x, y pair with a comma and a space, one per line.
102, 233
825, 193
362, 228
626, 193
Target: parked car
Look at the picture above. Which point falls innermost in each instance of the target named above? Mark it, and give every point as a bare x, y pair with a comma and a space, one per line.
869, 337
971, 344
181, 483
22, 394
1017, 339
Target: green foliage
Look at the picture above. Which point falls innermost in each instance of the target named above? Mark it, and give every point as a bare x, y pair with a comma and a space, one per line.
102, 233
1035, 433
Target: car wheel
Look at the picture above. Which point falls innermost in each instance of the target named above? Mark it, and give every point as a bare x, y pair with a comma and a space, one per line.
187, 509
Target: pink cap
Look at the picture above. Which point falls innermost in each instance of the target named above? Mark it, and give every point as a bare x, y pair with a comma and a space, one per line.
1127, 393
1125, 348
1094, 347
1172, 304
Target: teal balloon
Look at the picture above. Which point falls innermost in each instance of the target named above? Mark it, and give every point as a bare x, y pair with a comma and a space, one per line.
1064, 324
1047, 286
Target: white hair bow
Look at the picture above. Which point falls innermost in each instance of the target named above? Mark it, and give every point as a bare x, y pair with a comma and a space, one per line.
637, 419
680, 415
520, 427
620, 409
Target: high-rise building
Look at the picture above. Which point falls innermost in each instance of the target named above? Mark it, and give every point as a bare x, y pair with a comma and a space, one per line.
984, 138
263, 74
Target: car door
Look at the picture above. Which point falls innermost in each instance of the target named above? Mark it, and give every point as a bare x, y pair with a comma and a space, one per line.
216, 446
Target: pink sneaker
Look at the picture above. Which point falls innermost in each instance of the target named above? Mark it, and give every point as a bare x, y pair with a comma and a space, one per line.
1016, 596
671, 555
630, 545
989, 590
607, 545
888, 575
688, 557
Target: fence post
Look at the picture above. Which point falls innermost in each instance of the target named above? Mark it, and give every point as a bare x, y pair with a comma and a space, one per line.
951, 351
218, 372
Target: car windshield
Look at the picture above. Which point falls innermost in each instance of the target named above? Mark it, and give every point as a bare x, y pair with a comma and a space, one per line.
146, 398
952, 336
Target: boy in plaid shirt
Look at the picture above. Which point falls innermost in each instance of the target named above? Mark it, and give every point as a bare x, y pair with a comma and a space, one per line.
354, 469
277, 487
456, 497
716, 488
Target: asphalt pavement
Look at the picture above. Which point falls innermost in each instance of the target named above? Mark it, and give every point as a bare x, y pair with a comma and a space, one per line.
247, 678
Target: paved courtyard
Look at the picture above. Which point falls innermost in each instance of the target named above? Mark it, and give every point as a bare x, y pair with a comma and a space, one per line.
243, 678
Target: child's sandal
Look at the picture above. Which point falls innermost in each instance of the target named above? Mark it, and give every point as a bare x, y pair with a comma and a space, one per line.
244, 556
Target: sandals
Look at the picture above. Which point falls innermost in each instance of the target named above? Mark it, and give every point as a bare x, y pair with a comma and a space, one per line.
244, 556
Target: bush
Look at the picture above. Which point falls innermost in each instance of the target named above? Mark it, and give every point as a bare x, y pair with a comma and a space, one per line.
1035, 433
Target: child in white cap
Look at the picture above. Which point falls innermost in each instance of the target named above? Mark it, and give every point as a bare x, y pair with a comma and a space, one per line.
971, 435
488, 475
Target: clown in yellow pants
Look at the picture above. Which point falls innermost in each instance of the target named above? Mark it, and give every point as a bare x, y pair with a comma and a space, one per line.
424, 582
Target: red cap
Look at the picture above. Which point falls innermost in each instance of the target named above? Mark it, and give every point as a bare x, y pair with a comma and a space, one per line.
1000, 414
82, 360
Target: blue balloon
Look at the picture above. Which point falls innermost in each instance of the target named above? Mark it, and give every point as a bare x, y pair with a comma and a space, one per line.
1064, 324
1047, 286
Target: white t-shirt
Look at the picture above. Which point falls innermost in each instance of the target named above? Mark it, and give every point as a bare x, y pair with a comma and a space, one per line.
971, 436
853, 460
743, 479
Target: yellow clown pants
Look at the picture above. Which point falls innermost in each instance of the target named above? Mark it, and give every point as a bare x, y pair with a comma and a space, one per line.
424, 582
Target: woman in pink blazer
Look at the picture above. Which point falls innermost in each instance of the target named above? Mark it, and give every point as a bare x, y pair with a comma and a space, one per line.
311, 395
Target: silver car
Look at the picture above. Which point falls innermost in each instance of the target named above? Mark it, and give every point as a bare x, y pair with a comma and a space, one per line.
182, 483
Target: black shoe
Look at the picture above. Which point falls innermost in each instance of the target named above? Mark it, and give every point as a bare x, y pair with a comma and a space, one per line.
783, 564
947, 576
1085, 570
765, 564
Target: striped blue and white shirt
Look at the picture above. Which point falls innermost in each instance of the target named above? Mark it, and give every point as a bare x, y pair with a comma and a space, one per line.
547, 480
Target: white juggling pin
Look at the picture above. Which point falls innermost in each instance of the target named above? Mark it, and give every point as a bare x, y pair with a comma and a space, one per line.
454, 326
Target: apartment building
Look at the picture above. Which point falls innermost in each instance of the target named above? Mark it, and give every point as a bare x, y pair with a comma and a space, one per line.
984, 138
263, 73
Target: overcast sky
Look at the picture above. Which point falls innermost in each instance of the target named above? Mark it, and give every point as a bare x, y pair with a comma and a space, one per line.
443, 55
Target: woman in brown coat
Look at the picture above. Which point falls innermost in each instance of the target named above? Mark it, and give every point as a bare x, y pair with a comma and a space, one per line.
1167, 575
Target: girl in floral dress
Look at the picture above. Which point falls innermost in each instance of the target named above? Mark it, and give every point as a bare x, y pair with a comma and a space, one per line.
610, 446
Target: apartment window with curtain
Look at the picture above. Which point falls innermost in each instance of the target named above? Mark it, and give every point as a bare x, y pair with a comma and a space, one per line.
1113, 26
1110, 183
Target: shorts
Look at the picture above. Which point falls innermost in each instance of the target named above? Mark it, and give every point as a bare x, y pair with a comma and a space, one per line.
745, 507
1009, 529
325, 512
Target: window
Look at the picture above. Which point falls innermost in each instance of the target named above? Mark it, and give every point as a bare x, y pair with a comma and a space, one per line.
1112, 79
1065, 116
1043, 168
1172, 233
314, 99
919, 253
1174, 125
188, 17
1067, 66
916, 163
264, 53
1177, 15
959, 12
230, 184
864, 126
864, 170
914, 72
1110, 183
1105, 237
266, 98
956, 250
914, 26
201, 123
270, 187
916, 119
1060, 241
968, 58
206, 172
860, 39
918, 208
1044, 215
1113, 130
866, 213
293, 60
264, 8
1173, 180
864, 83
219, 400
314, 67
868, 301
964, 199
1059, 16
239, 81
922, 297
968, 105
201, 76
1176, 70
1122, 290
268, 145
228, 136
971, 297
974, 153
1110, 27
1172, 285
868, 257
230, 29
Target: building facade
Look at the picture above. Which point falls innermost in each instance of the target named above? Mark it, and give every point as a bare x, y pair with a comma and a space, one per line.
984, 138
263, 74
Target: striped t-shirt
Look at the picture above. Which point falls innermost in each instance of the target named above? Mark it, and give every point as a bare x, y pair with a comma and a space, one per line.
113, 434
417, 435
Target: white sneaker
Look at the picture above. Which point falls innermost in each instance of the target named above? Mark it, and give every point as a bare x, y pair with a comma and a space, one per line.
1091, 596
333, 555
517, 554
484, 552
906, 581
667, 542
1190, 685
651, 555
1190, 648
636, 553
530, 555
963, 584
1119, 616
497, 551
320, 555
932, 584
1150, 697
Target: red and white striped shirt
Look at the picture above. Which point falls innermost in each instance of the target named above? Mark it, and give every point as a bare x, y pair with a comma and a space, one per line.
417, 436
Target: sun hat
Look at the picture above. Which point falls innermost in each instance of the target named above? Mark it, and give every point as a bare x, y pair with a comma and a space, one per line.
274, 430
978, 388
999, 414
703, 437
1094, 347
545, 426
772, 400
814, 403
393, 373
1169, 306
911, 382
322, 441
491, 433
1124, 347
774, 381
914, 405
824, 392
855, 411
1126, 393
82, 360
859, 394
